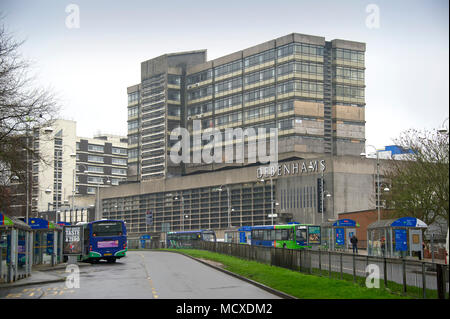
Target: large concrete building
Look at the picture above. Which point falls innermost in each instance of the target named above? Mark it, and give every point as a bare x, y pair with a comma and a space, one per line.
310, 90
73, 166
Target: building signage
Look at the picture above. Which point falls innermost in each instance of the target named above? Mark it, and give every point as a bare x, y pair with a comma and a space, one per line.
72, 240
291, 169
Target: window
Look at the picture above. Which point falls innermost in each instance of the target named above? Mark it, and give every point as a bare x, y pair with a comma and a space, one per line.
300, 48
120, 151
96, 148
133, 153
118, 171
259, 76
259, 58
133, 111
133, 97
173, 79
286, 124
200, 93
173, 95
118, 161
228, 68
285, 106
95, 169
260, 112
199, 77
94, 158
300, 86
231, 84
259, 94
228, 102
300, 67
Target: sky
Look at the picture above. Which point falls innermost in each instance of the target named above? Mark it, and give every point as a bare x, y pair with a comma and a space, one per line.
90, 61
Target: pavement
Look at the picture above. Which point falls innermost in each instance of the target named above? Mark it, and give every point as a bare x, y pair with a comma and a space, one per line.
41, 274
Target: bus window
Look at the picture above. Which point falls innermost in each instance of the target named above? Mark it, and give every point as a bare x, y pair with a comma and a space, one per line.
107, 229
209, 237
301, 233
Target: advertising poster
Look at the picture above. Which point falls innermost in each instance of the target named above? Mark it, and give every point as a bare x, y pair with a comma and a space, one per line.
400, 240
72, 240
314, 235
340, 237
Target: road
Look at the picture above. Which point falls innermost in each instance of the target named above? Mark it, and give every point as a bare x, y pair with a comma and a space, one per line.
145, 275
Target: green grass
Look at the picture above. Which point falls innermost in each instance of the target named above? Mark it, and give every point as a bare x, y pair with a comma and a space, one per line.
294, 283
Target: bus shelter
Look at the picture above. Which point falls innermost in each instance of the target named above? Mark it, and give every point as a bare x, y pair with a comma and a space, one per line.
15, 249
336, 235
48, 239
395, 237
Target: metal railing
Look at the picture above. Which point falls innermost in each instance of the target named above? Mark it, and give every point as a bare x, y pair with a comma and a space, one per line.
408, 277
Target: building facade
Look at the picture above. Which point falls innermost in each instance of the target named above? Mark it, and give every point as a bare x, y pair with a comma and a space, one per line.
243, 196
309, 89
73, 166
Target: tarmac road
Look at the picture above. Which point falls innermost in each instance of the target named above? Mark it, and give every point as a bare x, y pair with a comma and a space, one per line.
145, 275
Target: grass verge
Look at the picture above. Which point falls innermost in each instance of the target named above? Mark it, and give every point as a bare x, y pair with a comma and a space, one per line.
294, 283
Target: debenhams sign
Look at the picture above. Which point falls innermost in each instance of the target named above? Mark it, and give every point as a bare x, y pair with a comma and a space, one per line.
292, 168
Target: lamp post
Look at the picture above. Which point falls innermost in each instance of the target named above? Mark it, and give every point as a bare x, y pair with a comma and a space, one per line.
230, 209
363, 155
97, 209
73, 182
181, 197
272, 201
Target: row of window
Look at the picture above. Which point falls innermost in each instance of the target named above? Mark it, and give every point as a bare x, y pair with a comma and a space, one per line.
133, 97
101, 149
349, 55
349, 73
298, 197
100, 169
349, 91
300, 86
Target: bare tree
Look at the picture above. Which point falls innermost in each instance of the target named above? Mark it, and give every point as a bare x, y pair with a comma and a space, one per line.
420, 180
22, 107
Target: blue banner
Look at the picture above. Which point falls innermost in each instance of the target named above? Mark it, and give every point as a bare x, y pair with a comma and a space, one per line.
400, 240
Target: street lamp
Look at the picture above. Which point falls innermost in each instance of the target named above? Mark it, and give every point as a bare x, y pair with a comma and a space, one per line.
363, 155
230, 209
272, 203
183, 216
97, 209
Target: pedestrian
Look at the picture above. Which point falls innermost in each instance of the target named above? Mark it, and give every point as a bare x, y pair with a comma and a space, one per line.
354, 242
383, 245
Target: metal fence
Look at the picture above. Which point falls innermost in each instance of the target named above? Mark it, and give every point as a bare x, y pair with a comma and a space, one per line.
408, 277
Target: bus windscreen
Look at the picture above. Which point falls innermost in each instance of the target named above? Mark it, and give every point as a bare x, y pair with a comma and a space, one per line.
107, 229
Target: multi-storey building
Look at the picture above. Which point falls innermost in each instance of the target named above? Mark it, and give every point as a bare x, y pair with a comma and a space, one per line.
73, 166
310, 89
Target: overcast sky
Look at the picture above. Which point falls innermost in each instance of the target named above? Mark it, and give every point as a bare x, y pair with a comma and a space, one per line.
90, 67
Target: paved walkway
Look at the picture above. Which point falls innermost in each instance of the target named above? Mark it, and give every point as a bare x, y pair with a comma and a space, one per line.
42, 274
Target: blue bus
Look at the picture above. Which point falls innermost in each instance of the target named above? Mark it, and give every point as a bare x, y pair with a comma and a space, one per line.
186, 239
104, 239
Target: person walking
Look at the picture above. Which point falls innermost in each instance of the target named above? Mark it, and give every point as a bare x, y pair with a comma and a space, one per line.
354, 242
383, 246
